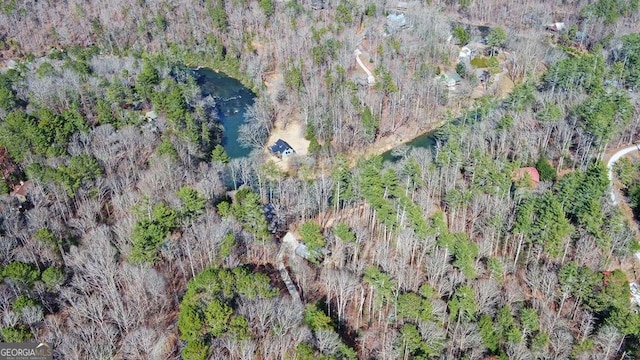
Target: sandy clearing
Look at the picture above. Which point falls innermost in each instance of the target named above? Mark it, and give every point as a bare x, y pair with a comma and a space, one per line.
505, 85
293, 134
289, 130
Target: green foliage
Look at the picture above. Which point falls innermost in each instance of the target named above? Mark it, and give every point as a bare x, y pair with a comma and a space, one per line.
463, 249
22, 302
630, 55
370, 122
507, 328
118, 94
370, 10
374, 187
343, 181
150, 232
219, 154
7, 98
462, 307
581, 194
610, 10
226, 245
550, 113
411, 342
82, 169
343, 14
305, 351
104, 114
193, 203
461, 69
602, 113
19, 134
540, 341
247, 208
488, 333
461, 34
505, 122
46, 135
529, 319
546, 171
195, 350
219, 16
316, 319
465, 252
78, 65
495, 267
323, 52
207, 308
293, 77
583, 347
21, 273
45, 69
542, 220
497, 37
521, 98
15, 334
217, 315
381, 282
267, 7
53, 277
147, 79
4, 187
413, 307
344, 233
314, 146
311, 234
610, 302
634, 196
583, 72
166, 148
160, 22
385, 81
580, 282
626, 172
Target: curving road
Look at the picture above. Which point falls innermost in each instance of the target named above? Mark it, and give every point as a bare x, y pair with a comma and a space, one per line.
615, 157
370, 78
635, 293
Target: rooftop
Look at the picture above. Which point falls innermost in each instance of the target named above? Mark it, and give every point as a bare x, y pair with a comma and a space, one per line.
281, 147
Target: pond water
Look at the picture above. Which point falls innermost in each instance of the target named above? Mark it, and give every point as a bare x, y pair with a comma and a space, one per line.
425, 141
232, 99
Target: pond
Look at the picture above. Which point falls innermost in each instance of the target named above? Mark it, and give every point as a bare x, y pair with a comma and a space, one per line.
425, 141
232, 99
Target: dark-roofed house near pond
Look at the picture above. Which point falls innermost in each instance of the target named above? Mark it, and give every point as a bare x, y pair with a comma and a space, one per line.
281, 149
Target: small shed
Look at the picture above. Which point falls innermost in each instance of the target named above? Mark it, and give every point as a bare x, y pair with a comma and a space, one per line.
281, 149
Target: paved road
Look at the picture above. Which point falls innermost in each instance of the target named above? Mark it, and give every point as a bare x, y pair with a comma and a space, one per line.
615, 157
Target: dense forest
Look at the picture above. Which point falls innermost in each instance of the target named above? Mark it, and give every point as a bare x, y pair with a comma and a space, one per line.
127, 232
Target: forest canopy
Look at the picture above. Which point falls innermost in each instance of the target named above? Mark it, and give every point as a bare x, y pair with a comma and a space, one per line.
453, 199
